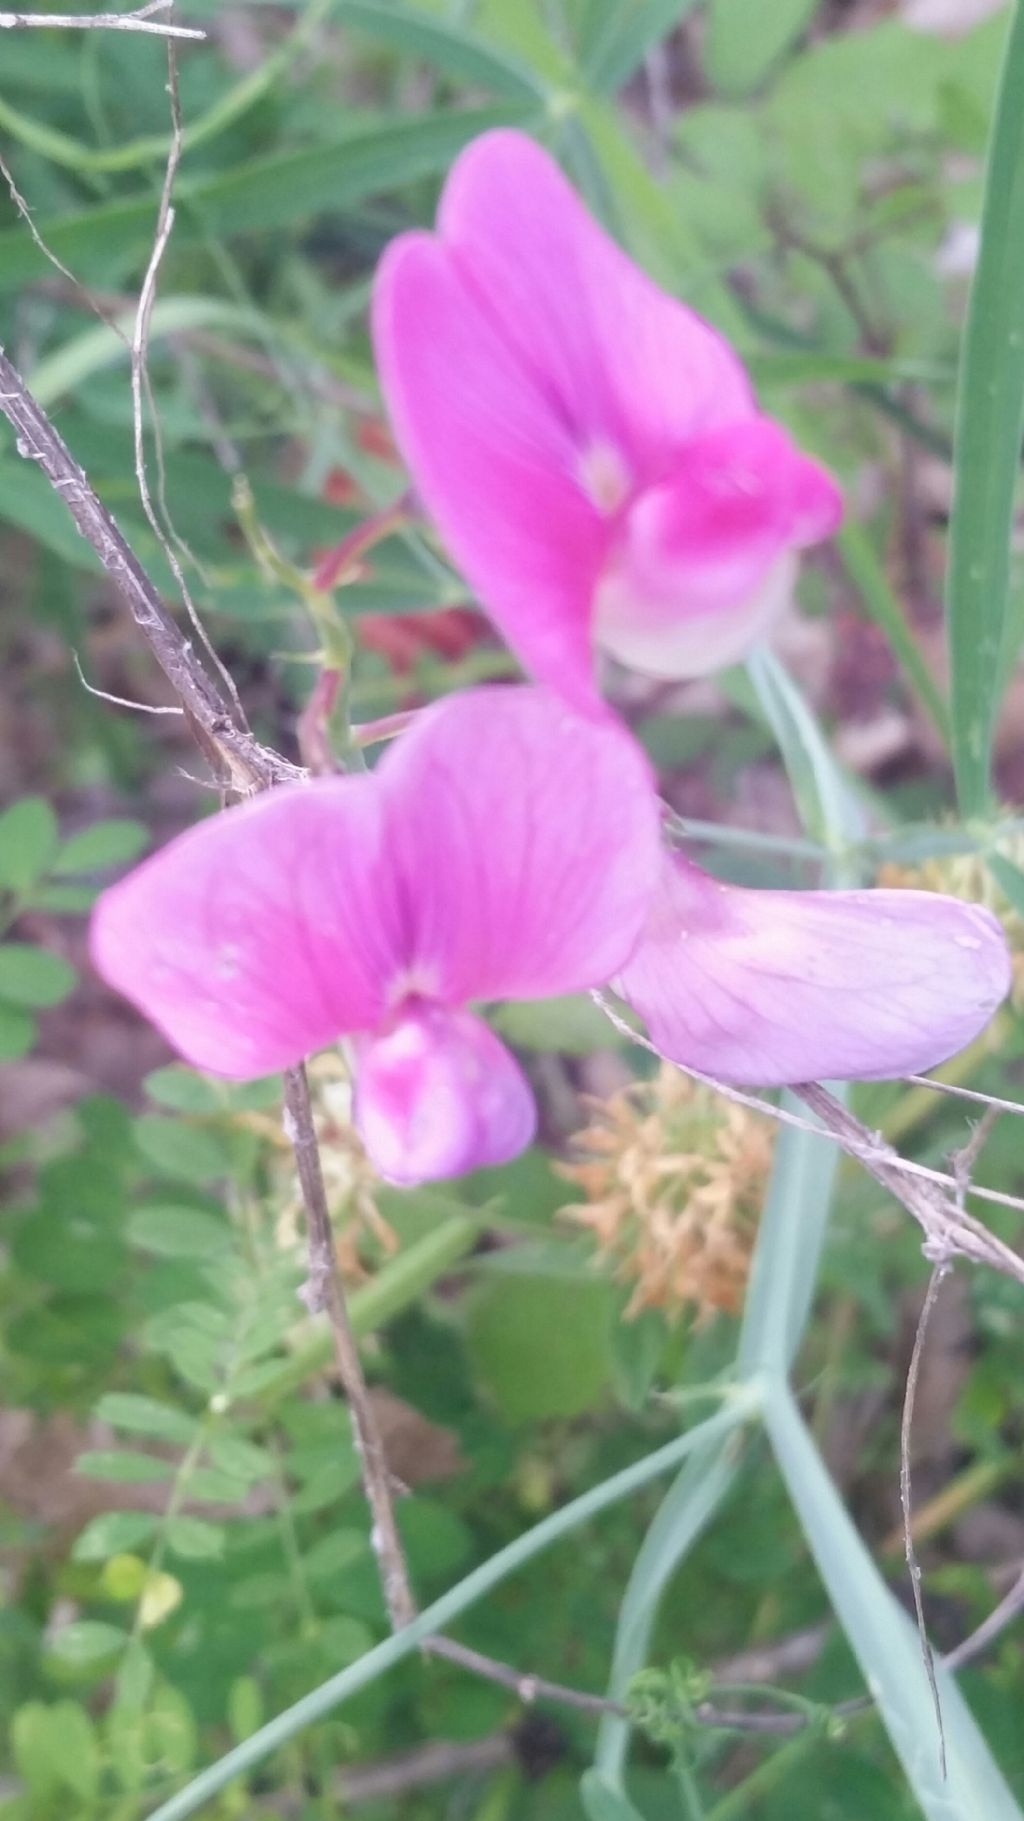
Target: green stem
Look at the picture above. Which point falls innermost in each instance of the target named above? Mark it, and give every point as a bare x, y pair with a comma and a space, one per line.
693, 1807
685, 1512
769, 1772
450, 1606
989, 418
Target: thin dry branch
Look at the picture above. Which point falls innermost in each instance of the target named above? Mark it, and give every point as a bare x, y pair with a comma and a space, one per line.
934, 1198
141, 388
950, 1231
104, 695
323, 1292
940, 1272
956, 1092
244, 763
140, 21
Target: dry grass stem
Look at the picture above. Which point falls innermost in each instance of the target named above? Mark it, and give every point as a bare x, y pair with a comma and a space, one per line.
142, 20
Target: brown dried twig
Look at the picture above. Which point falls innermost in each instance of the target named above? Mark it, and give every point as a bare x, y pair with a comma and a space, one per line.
324, 1292
139, 351
244, 763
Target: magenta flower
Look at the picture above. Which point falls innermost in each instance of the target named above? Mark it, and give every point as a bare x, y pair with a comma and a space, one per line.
772, 988
504, 848
590, 449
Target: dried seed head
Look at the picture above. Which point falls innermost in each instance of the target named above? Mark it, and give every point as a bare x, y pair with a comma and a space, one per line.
673, 1178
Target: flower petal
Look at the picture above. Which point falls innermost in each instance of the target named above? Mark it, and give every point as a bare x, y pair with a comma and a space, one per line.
438, 1094
495, 466
704, 562
620, 361
262, 933
527, 840
535, 378
773, 988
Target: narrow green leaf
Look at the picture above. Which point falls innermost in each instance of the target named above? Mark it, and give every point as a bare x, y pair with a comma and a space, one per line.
603, 1800
885, 1641
196, 1539
828, 808
17, 1032
75, 361
33, 976
682, 1517
86, 1642
184, 1090
28, 842
139, 1415
123, 1465
171, 1232
111, 1533
624, 33
451, 49
282, 190
744, 41
537, 1352
111, 843
174, 1148
989, 422
67, 900
869, 578
31, 1739
402, 1281
77, 1747
789, 1242
28, 502
245, 1706
241, 1458
1009, 878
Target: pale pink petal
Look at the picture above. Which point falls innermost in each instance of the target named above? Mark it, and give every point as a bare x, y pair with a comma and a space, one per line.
703, 562
620, 361
769, 988
497, 467
637, 632
527, 837
437, 1093
262, 933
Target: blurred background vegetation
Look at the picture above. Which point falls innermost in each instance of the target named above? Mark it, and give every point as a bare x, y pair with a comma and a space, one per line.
183, 1534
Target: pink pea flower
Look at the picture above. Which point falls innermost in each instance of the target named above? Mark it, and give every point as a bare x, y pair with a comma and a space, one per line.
590, 449
503, 848
772, 988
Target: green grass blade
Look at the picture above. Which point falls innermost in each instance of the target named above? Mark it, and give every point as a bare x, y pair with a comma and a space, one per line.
1009, 878
369, 1668
885, 1642
744, 42
869, 578
989, 422
88, 353
828, 807
789, 1242
282, 190
683, 1515
451, 49
621, 37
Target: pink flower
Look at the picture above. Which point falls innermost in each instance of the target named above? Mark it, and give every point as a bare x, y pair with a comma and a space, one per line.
772, 988
504, 847
590, 449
